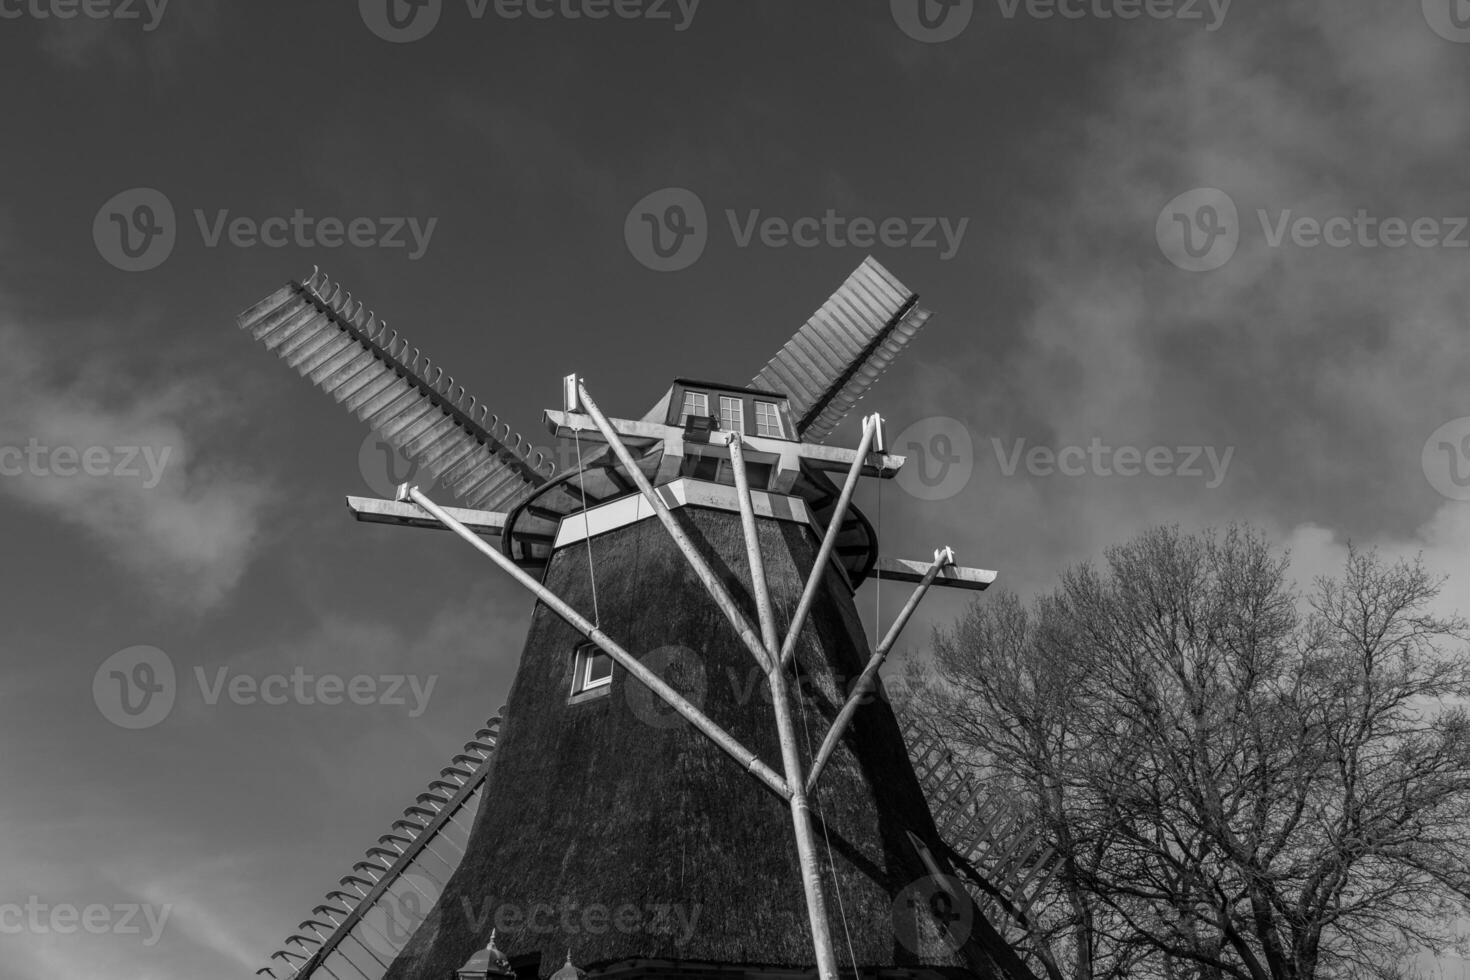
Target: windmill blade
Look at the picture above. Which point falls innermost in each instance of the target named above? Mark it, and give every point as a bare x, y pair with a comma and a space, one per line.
984, 830
316, 328
837, 355
354, 930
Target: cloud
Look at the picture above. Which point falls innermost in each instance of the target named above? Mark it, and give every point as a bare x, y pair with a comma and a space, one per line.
146, 34
536, 151
240, 866
164, 904
370, 761
196, 909
1443, 542
462, 653
124, 457
1326, 368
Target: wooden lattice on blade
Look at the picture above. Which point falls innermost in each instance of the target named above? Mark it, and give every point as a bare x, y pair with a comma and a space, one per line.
986, 829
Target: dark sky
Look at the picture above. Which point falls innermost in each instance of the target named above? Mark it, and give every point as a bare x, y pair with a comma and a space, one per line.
1317, 388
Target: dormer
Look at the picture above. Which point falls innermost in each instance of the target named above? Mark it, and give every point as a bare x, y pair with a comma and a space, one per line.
686, 438
750, 411
706, 411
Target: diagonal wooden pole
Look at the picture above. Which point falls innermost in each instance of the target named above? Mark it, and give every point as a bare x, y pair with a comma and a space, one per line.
829, 540
757, 561
627, 661
806, 846
711, 581
870, 673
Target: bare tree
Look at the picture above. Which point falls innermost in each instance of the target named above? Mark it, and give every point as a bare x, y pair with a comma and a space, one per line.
1241, 781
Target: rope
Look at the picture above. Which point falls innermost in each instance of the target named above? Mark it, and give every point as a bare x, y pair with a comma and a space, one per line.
878, 579
826, 838
587, 529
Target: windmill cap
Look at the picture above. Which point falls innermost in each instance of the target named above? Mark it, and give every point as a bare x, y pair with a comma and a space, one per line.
489, 962
570, 971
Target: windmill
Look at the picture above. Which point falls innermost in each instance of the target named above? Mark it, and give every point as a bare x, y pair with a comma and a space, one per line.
695, 575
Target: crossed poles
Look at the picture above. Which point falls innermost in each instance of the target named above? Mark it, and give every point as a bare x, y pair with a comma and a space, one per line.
770, 651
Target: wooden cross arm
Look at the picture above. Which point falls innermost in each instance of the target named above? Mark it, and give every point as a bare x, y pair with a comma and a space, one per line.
371, 510
487, 523
950, 576
640, 434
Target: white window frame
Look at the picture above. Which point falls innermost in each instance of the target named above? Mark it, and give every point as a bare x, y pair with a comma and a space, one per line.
584, 656
738, 414
761, 425
687, 411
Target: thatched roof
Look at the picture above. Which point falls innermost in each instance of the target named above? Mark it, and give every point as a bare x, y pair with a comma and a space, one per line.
620, 840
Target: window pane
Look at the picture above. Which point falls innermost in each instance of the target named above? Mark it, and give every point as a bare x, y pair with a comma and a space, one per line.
768, 420
592, 669
696, 403
599, 667
732, 414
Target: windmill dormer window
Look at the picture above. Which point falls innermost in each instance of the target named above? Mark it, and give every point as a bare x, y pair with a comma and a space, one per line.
732, 414
591, 671
744, 410
707, 410
696, 405
768, 420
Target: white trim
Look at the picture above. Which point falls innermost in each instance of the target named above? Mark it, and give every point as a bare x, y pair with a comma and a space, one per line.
684, 492
780, 432
688, 411
954, 576
583, 657
646, 434
374, 511
736, 422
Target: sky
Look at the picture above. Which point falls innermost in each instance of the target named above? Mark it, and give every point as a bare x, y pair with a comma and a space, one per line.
1191, 263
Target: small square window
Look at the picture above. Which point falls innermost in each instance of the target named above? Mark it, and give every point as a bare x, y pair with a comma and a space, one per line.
592, 669
732, 414
768, 420
696, 404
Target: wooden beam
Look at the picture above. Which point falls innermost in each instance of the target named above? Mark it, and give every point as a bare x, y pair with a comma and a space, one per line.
713, 584
727, 742
951, 576
942, 560
372, 510
801, 820
829, 540
640, 434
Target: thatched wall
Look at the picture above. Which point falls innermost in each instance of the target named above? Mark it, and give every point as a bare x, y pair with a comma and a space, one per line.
618, 837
